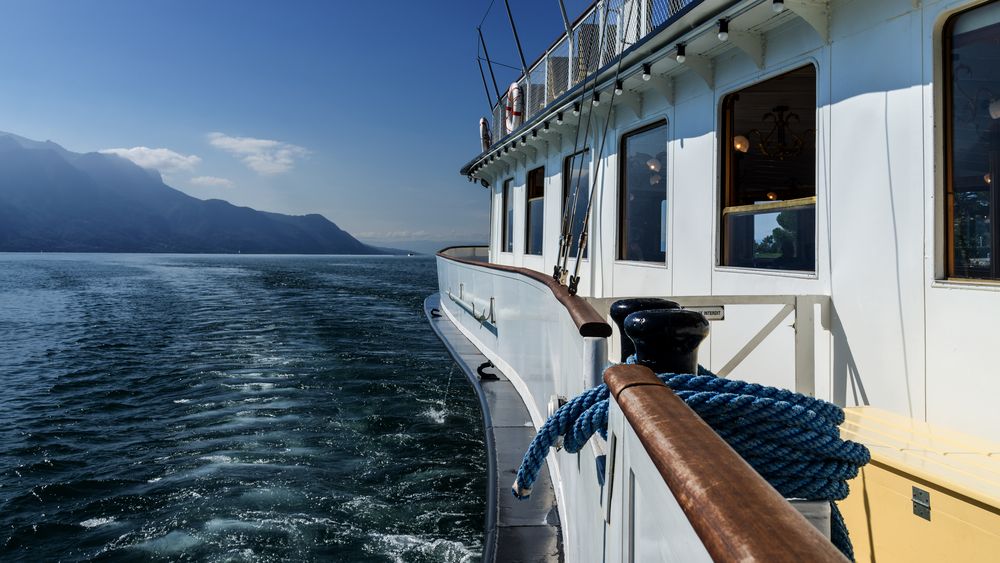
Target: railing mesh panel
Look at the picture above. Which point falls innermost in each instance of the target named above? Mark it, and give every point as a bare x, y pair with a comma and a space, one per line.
586, 41
557, 65
597, 41
535, 90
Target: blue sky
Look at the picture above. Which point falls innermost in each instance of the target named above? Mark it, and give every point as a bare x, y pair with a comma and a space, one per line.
362, 111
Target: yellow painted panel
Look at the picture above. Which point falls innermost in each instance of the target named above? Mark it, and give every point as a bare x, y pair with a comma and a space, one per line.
960, 529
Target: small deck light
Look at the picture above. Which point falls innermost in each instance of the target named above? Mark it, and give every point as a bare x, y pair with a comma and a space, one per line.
597, 99
618, 87
681, 52
534, 133
723, 29
559, 118
778, 6
576, 108
647, 71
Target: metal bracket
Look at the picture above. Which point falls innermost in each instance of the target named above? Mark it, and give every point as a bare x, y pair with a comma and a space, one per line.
664, 85
750, 43
702, 66
922, 503
816, 13
632, 101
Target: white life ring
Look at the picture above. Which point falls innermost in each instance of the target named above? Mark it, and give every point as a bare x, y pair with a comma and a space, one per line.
514, 111
484, 134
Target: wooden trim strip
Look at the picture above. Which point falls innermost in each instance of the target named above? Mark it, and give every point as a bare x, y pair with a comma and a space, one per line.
587, 320
737, 515
801, 202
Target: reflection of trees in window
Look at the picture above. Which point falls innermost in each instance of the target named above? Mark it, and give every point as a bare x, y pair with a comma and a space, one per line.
576, 189
972, 99
643, 197
769, 174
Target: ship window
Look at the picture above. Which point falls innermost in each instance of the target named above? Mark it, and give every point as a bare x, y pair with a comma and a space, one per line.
642, 205
535, 209
576, 196
507, 229
972, 163
769, 174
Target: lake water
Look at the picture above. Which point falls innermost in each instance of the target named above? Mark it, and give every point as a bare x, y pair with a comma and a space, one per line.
236, 408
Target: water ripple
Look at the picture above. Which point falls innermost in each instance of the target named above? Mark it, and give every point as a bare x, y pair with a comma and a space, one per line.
231, 409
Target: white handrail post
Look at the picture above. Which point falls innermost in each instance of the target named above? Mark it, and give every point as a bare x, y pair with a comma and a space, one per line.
595, 359
805, 346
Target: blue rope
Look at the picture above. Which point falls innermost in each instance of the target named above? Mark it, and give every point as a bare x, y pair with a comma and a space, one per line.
791, 440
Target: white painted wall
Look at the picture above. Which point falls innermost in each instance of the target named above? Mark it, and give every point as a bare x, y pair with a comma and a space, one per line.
902, 339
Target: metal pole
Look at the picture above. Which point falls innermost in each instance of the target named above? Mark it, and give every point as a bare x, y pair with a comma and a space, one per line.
517, 40
489, 102
562, 8
489, 64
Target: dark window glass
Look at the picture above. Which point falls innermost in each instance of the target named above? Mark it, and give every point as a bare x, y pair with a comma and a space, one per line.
769, 174
642, 227
973, 131
576, 196
507, 230
535, 209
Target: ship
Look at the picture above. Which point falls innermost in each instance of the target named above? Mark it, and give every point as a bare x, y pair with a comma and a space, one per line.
812, 177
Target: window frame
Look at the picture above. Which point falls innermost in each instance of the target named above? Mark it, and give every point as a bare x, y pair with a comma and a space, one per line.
725, 192
621, 215
506, 225
539, 171
947, 208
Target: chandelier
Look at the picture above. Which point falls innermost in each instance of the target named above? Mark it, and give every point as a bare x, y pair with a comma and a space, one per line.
781, 142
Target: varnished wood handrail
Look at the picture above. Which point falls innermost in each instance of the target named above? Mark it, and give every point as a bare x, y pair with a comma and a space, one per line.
737, 515
587, 320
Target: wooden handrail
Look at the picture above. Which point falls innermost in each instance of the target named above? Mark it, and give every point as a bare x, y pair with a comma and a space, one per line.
587, 320
737, 515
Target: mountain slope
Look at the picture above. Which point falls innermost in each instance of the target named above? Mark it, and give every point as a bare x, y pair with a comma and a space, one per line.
55, 200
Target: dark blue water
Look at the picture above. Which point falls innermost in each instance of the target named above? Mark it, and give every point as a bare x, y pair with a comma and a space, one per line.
231, 409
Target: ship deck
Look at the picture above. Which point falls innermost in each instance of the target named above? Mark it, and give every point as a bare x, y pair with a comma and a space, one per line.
514, 530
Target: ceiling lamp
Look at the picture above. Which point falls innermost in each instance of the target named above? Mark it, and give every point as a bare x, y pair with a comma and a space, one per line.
647, 71
618, 87
681, 52
723, 30
597, 98
778, 6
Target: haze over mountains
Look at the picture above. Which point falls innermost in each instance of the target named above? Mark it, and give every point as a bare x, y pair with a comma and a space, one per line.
54, 200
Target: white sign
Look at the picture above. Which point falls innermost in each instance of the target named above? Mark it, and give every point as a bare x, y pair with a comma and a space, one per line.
717, 313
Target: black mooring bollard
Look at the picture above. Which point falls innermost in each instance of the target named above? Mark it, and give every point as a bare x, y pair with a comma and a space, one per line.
625, 307
667, 340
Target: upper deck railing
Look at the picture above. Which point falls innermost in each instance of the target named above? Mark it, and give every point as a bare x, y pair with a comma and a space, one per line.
602, 33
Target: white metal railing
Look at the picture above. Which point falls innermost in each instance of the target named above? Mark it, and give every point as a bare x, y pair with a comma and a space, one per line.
598, 37
800, 307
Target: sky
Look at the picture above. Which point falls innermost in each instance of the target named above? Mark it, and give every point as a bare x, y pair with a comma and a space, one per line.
361, 111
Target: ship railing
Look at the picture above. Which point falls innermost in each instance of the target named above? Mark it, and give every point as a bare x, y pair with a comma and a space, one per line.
802, 309
474, 253
595, 40
682, 494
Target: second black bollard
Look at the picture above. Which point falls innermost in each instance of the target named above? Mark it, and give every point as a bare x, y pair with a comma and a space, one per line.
624, 307
667, 340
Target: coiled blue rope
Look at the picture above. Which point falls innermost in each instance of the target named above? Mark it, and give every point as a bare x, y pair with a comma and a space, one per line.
791, 440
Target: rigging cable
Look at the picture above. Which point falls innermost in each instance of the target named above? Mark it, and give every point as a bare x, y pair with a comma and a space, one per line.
569, 212
574, 280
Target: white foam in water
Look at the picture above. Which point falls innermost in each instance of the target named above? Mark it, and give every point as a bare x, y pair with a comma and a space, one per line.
217, 458
95, 522
402, 547
251, 386
437, 415
182, 401
174, 542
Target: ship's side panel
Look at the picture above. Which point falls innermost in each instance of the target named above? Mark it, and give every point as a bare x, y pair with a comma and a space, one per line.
533, 341
876, 205
962, 318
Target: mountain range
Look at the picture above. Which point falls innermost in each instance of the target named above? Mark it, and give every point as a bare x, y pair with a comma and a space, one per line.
55, 200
